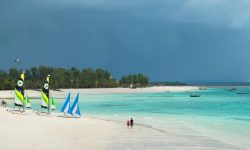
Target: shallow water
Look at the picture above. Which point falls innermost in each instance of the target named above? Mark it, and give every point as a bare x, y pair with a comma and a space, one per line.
218, 113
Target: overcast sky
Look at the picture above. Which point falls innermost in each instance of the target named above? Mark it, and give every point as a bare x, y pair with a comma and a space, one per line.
169, 40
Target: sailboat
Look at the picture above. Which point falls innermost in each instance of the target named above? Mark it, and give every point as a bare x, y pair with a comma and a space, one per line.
53, 104
74, 110
66, 105
19, 93
45, 95
28, 104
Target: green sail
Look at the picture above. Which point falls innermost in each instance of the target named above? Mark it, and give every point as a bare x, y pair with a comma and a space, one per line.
53, 104
19, 97
28, 104
28, 100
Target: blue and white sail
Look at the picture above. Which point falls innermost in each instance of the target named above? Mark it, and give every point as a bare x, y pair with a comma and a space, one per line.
75, 107
66, 105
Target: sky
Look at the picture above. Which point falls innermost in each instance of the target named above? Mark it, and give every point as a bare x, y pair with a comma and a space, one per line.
168, 40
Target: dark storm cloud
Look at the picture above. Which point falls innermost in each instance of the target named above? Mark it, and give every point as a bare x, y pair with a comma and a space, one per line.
187, 40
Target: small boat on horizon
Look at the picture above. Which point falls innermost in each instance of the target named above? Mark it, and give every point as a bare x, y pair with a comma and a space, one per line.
231, 89
202, 88
195, 95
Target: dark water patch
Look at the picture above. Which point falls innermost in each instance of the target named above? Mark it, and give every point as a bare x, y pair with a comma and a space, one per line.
241, 119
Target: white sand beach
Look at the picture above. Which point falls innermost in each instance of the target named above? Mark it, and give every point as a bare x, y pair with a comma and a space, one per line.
41, 132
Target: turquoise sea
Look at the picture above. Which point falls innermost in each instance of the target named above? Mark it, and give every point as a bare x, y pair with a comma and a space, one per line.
218, 113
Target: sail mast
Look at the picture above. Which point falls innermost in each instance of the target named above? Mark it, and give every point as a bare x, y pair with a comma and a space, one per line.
22, 76
48, 77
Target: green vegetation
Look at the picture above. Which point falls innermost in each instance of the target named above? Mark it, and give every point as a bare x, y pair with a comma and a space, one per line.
69, 78
134, 80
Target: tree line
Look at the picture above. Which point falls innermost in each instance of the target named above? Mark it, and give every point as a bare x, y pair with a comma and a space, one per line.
134, 80
69, 78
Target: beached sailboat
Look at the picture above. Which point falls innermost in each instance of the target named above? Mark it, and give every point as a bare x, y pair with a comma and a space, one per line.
74, 110
45, 104
19, 93
28, 104
66, 105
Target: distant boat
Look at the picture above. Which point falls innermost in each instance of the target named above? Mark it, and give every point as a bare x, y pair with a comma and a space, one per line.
66, 105
195, 95
74, 110
232, 89
28, 104
132, 86
202, 88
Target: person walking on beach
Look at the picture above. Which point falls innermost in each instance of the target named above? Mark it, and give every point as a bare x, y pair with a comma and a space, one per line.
128, 123
3, 103
131, 122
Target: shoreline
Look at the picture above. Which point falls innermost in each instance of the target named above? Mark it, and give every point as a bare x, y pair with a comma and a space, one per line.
62, 93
